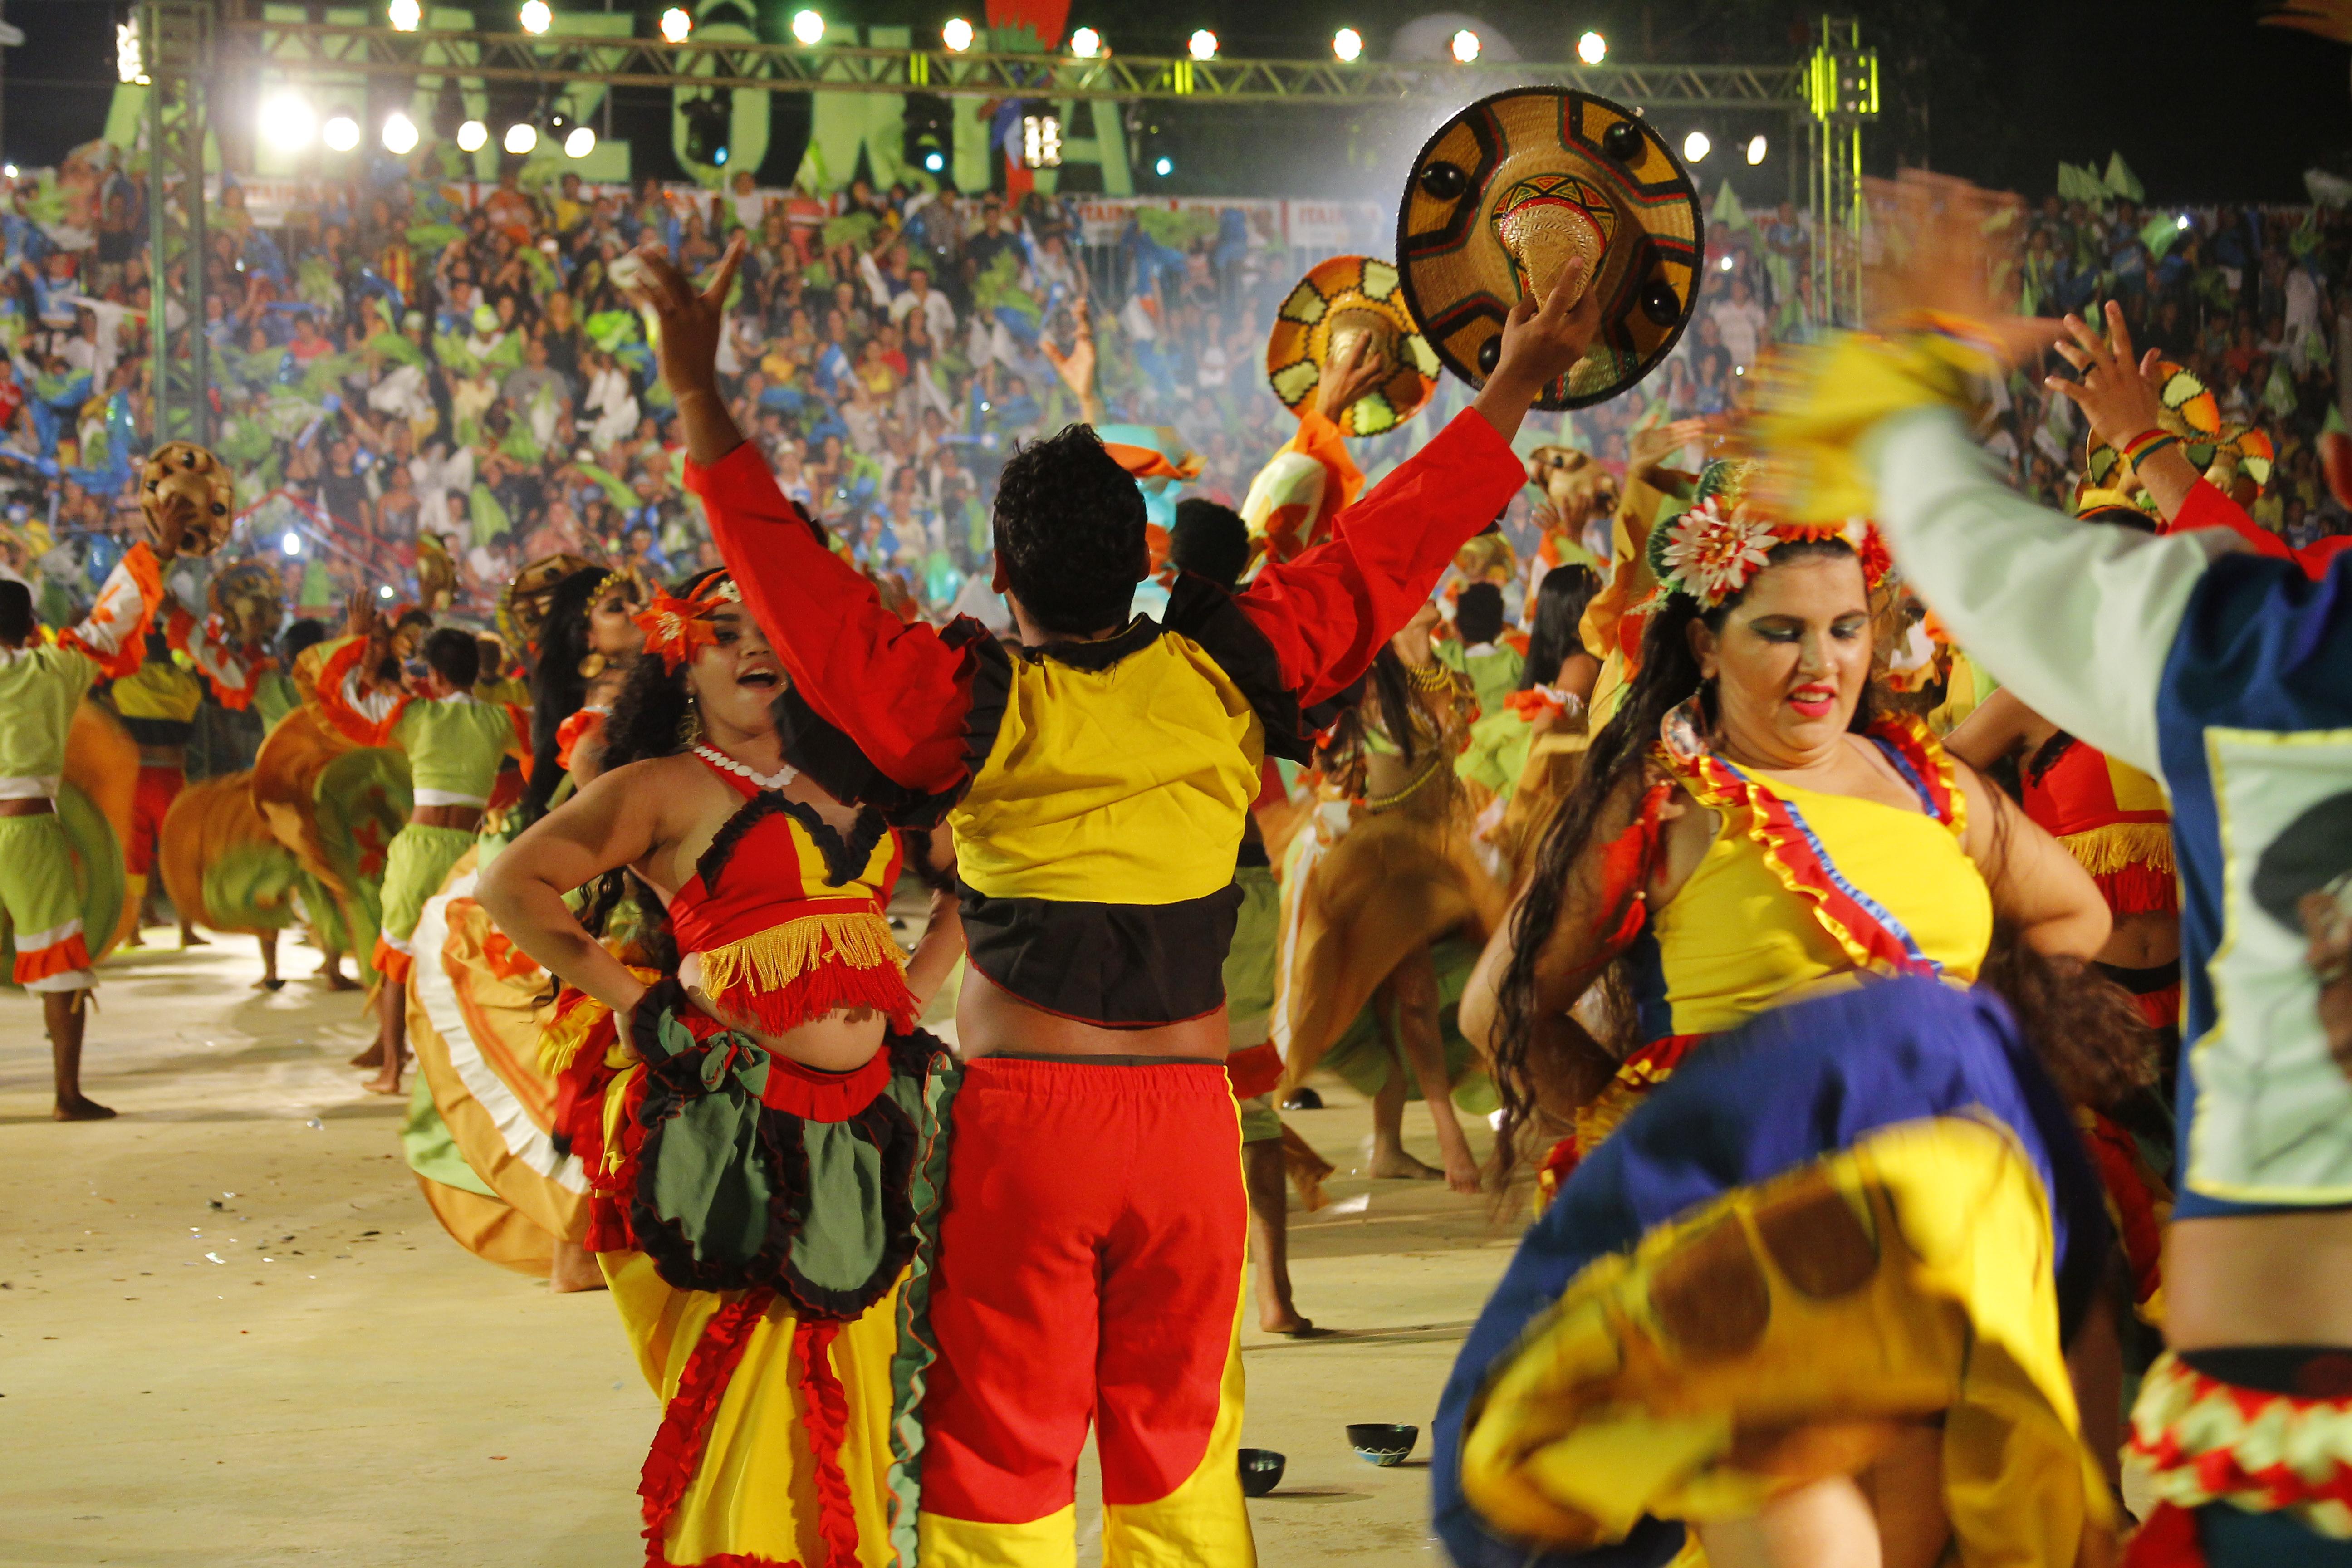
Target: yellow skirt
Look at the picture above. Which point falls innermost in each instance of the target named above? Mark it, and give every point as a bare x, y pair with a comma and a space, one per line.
734, 1477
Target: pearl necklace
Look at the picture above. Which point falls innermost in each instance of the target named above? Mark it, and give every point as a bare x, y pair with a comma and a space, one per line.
719, 759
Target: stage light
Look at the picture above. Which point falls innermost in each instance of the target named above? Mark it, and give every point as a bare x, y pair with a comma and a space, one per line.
1165, 167
579, 143
676, 24
287, 121
1593, 49
342, 133
405, 15
291, 543
399, 134
536, 17
1757, 148
521, 138
2181, 222
957, 35
383, 592
1041, 142
1464, 46
935, 162
1726, 264
1695, 146
10, 170
710, 120
1087, 44
130, 57
1349, 44
808, 28
1202, 45
473, 136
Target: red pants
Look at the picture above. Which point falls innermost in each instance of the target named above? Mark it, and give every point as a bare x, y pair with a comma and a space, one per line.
159, 786
1090, 1269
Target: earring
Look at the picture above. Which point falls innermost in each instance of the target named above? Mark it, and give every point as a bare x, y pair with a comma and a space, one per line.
690, 728
592, 667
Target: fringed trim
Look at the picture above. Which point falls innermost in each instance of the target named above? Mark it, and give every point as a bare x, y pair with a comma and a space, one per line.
2122, 847
824, 1413
685, 1427
804, 969
2205, 1441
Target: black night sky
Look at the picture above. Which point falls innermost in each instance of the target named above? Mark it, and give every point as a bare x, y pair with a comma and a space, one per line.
2204, 103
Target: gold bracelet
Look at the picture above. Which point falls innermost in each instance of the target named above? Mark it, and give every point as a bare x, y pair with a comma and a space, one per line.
1430, 677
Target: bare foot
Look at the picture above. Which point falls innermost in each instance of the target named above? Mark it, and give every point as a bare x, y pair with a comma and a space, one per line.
1291, 1324
338, 981
385, 1082
189, 938
574, 1268
371, 1058
1462, 1172
1396, 1165
79, 1108
269, 982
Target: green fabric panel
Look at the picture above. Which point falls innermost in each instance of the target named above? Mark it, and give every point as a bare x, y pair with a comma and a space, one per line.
252, 885
432, 1152
840, 1242
709, 1177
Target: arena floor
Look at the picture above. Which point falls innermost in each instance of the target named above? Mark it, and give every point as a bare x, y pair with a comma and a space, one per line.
230, 1330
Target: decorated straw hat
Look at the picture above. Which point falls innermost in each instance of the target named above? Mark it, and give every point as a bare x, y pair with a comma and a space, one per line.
2221, 452
522, 608
1509, 190
1340, 300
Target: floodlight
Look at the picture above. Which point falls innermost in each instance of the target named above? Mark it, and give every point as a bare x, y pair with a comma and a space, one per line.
1593, 49
957, 35
1202, 45
473, 136
808, 28
521, 138
1695, 146
1464, 46
676, 23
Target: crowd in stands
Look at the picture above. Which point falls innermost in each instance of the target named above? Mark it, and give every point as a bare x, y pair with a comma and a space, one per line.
412, 353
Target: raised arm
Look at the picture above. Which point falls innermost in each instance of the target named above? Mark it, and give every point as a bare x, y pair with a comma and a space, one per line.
1327, 612
899, 690
113, 635
233, 672
365, 714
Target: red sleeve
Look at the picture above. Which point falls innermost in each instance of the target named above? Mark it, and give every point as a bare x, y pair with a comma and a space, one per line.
895, 690
1343, 482
2206, 506
2318, 555
1327, 612
363, 718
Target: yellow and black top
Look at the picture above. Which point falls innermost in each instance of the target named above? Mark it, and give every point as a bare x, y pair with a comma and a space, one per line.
1098, 789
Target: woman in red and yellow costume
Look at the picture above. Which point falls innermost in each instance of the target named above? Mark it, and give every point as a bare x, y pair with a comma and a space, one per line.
1778, 902
762, 1125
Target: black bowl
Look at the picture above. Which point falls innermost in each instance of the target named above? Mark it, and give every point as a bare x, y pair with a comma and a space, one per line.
1261, 1472
1382, 1443
1302, 1099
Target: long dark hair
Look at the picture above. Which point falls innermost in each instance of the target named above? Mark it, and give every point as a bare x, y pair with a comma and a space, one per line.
647, 720
2083, 1032
1561, 600
557, 687
1392, 695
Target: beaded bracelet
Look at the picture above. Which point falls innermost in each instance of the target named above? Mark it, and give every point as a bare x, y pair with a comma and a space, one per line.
2145, 444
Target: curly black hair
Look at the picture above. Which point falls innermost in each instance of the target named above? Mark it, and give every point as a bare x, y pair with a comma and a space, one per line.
1069, 529
557, 687
1478, 614
1210, 541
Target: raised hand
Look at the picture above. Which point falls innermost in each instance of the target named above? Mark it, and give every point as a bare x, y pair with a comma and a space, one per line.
1356, 373
691, 326
2121, 398
1541, 344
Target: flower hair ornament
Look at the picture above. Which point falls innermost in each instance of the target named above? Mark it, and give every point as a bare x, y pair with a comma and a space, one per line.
1715, 548
677, 629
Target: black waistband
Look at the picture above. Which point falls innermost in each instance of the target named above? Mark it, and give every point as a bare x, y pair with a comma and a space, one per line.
1118, 966
1109, 1060
2305, 1372
2145, 981
159, 731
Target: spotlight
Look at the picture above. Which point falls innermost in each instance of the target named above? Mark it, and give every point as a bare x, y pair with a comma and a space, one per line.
676, 23
536, 17
1757, 148
934, 162
473, 136
291, 543
404, 15
399, 134
521, 138
808, 28
957, 35
9, 169
1464, 46
1726, 264
1695, 146
1164, 167
287, 121
341, 133
708, 121
1593, 49
1202, 45
1349, 44
383, 592
1087, 44
2181, 222
579, 142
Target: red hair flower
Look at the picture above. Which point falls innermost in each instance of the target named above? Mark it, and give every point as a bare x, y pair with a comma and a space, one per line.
677, 629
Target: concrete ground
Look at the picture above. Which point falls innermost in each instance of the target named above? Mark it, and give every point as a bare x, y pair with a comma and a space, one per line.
230, 1330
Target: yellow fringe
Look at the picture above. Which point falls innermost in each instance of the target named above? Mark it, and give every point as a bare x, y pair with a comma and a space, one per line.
560, 1041
781, 954
2119, 846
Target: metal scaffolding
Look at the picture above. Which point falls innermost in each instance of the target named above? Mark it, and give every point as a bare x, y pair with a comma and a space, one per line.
296, 49
1842, 96
176, 39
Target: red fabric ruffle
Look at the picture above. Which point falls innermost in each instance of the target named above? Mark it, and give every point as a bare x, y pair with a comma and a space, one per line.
1255, 1069
821, 989
825, 1408
2139, 889
685, 1422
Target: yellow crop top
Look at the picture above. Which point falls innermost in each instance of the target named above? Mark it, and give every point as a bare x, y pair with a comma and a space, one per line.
1804, 893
